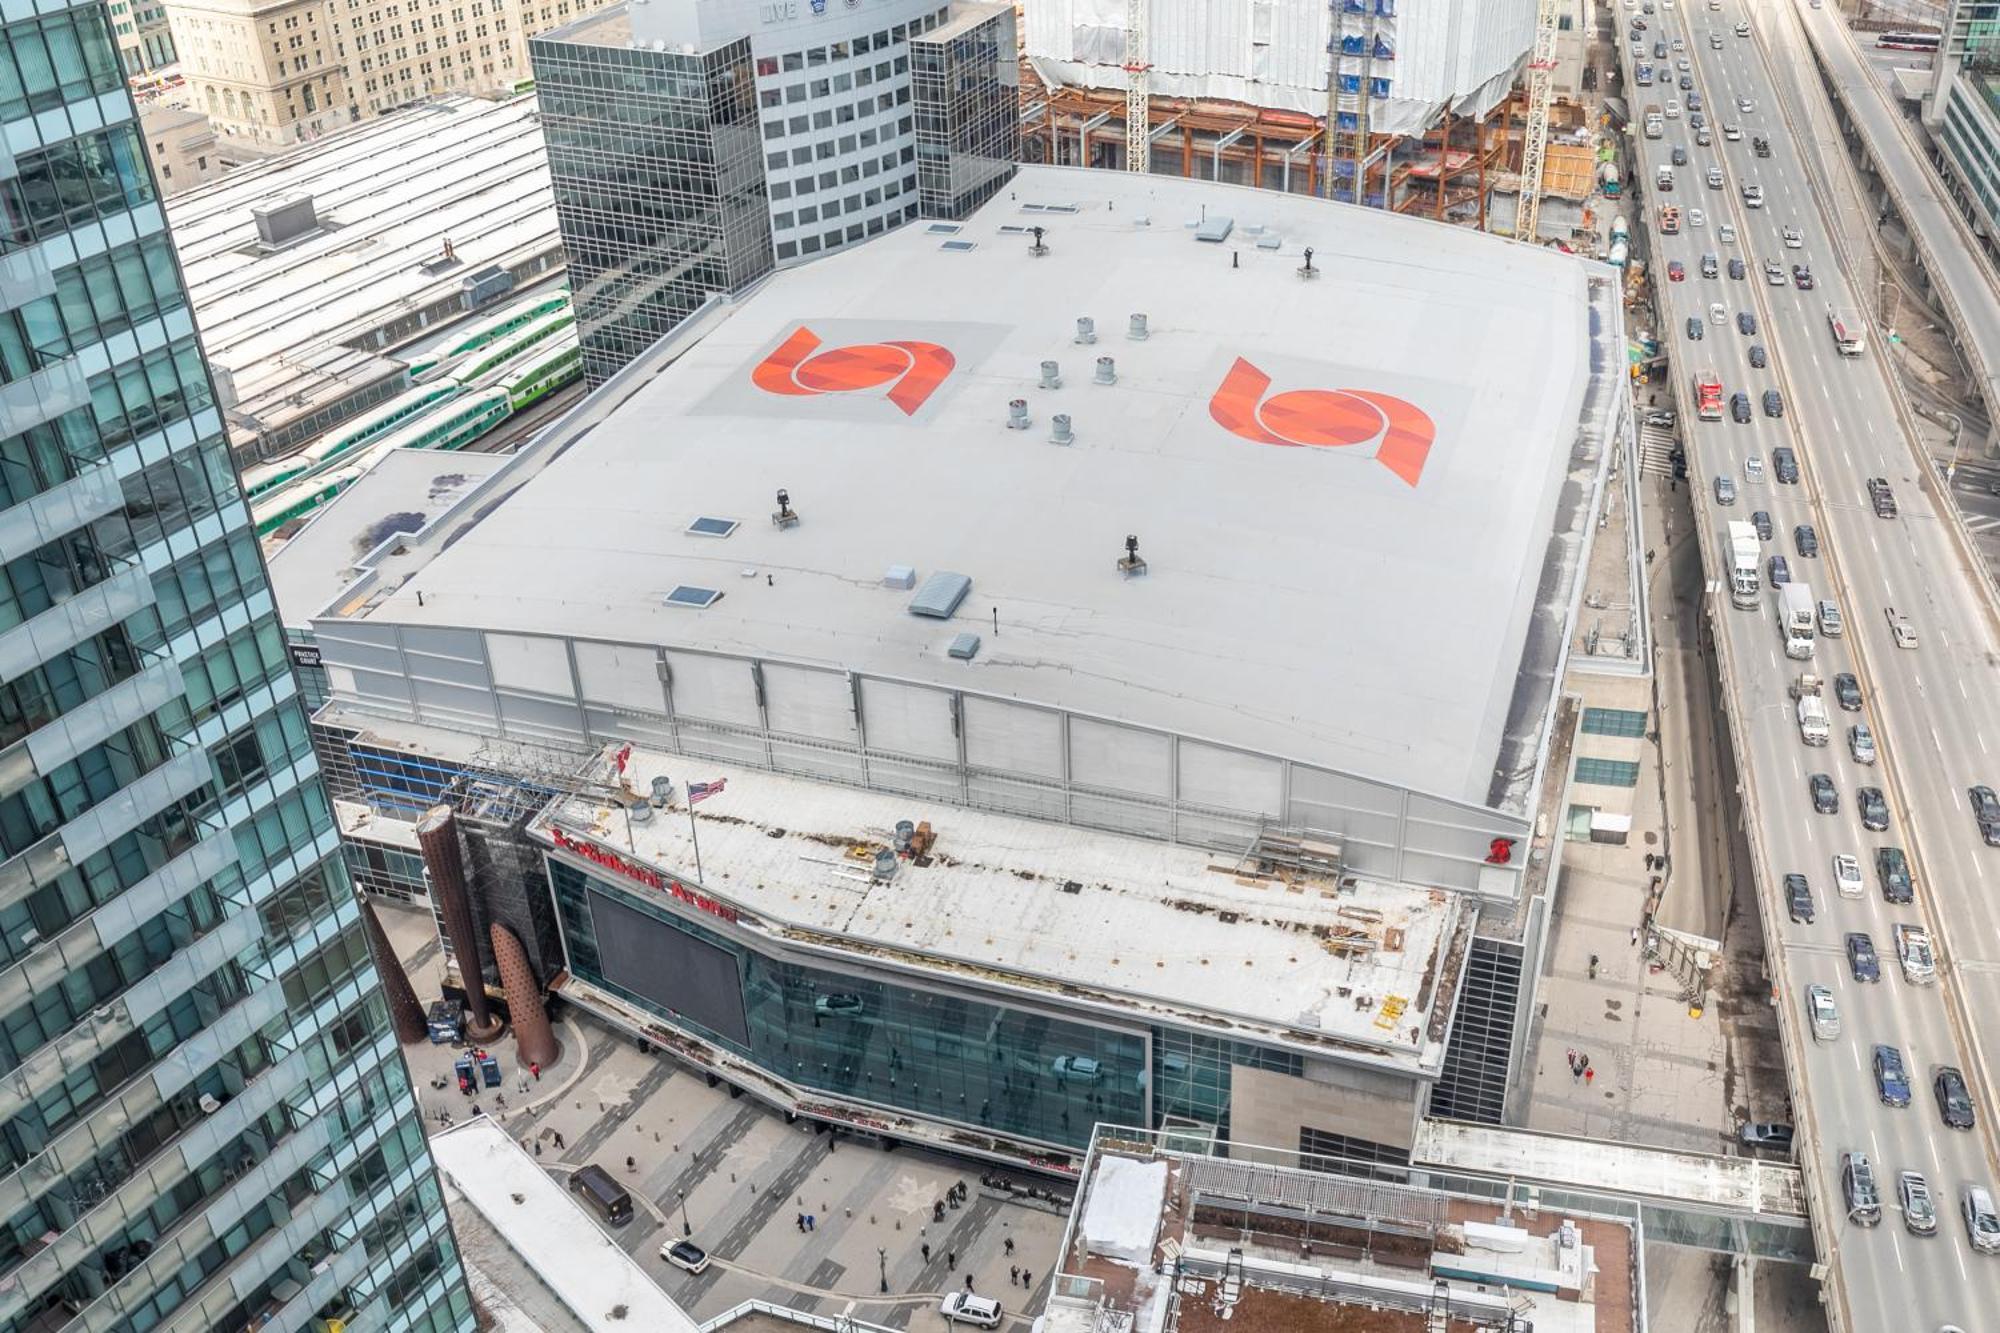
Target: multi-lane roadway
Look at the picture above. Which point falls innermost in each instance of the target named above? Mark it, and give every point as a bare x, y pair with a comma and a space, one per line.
1934, 710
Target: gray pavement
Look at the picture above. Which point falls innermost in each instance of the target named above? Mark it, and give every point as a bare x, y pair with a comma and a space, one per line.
1930, 720
741, 1177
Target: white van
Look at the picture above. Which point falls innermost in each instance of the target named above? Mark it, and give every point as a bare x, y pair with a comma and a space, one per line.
962, 1307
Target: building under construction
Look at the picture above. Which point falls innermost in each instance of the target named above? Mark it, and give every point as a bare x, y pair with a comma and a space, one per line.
1427, 108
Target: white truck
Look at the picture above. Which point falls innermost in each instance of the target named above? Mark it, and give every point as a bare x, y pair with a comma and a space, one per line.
1850, 331
1655, 124
1795, 620
1745, 583
1813, 729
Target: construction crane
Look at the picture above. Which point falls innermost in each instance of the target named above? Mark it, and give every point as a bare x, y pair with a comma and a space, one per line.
1534, 153
1138, 106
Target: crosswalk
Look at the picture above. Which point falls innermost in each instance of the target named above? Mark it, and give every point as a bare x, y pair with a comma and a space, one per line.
1656, 452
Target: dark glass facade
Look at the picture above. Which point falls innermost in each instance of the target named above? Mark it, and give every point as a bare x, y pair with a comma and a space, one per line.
658, 168
968, 112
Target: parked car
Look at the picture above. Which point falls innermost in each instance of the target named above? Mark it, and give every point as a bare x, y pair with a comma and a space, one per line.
1892, 1079
1766, 1134
962, 1307
1863, 963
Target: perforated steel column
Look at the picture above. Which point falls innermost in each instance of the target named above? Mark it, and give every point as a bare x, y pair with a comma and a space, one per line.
534, 1039
437, 836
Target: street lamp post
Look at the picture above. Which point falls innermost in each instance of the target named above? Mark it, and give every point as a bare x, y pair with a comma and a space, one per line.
882, 1260
687, 1229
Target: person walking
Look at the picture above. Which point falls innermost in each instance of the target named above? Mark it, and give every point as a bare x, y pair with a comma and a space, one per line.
968, 1284
802, 1224
535, 1068
951, 1258
812, 1222
1009, 1242
1013, 1274
1027, 1278
927, 1251
1588, 1076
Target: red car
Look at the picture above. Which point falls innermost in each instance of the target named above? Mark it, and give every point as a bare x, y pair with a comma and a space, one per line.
1677, 271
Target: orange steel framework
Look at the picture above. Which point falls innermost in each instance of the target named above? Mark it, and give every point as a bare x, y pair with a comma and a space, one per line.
1444, 171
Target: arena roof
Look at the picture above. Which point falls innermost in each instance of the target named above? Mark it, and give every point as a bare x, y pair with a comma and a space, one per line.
1360, 496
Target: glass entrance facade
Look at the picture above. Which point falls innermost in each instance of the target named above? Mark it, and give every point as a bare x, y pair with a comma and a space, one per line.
945, 1055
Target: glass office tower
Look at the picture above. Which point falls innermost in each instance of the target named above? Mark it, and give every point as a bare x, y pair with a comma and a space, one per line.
204, 1119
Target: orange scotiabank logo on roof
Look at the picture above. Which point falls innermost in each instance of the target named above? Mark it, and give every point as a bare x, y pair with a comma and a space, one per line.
1326, 418
798, 368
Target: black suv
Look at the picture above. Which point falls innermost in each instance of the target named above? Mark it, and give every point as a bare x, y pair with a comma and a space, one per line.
1774, 403
1739, 408
1861, 958
1805, 539
1847, 691
1761, 520
1881, 497
1986, 810
1785, 465
1954, 1099
1824, 798
1874, 809
1798, 898
1761, 146
1892, 868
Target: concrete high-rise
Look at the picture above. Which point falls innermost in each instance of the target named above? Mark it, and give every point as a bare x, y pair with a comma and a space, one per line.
204, 1119
695, 146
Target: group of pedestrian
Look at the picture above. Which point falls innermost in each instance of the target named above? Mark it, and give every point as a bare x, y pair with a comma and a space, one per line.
1579, 1067
1020, 1275
810, 1222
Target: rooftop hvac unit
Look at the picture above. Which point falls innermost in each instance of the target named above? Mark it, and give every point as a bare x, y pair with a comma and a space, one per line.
284, 221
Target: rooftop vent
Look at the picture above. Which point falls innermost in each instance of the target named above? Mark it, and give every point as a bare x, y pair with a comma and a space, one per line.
1017, 414
1059, 431
1136, 330
1306, 270
940, 595
1270, 240
689, 595
1215, 230
965, 647
1086, 329
885, 864
900, 576
663, 790
285, 221
785, 516
1130, 565
1040, 247
959, 247
1107, 371
711, 527
943, 229
1048, 208
1051, 375
639, 812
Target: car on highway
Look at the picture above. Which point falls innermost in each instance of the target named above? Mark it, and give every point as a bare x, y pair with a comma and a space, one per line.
1861, 743
1901, 631
1742, 30
1739, 408
1913, 953
1725, 491
1676, 271
1753, 196
1805, 540
1694, 329
1847, 691
1679, 155
1727, 231
1982, 1223
1825, 798
1733, 133
1863, 963
1785, 464
1892, 871
1774, 273
1746, 106
1736, 269
1774, 403
1760, 146
1703, 139
1830, 622
1687, 86
1802, 277
1874, 809
1708, 265
685, 1254
1680, 44
1673, 110
1881, 498
1715, 43
1761, 520
1954, 1099
1766, 1134
1659, 50
1717, 313
1986, 813
1746, 323
1697, 218
1858, 1189
1753, 467
1697, 122
1847, 875
1684, 67
1822, 1013
1892, 1078
1798, 898
1758, 360
1793, 237
1913, 1193
1778, 571
962, 1307
1714, 178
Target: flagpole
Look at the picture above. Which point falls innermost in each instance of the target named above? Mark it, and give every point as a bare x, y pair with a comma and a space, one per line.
696, 834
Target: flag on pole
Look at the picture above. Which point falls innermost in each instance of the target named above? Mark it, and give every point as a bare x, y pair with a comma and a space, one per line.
701, 791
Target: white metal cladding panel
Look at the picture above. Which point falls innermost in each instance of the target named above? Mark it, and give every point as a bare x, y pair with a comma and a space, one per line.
1015, 797
715, 689
530, 662
1102, 754
914, 778
1350, 807
1012, 738
1448, 48
907, 719
800, 701
354, 644
449, 654
625, 675
608, 725
1266, 41
731, 744
820, 761
1231, 780
539, 717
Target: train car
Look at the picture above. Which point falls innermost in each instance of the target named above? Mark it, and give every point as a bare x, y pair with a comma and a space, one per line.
1908, 41
548, 368
503, 354
455, 426
372, 426
267, 477
303, 497
440, 359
